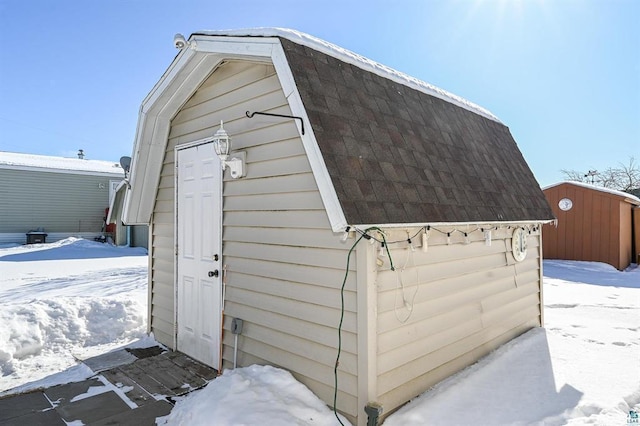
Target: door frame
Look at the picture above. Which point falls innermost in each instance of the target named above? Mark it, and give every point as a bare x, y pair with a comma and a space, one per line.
178, 148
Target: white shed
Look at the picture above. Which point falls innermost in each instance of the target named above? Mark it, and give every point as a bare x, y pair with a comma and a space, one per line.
442, 258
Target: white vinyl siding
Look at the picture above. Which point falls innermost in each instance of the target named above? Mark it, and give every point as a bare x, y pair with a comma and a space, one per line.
284, 264
470, 299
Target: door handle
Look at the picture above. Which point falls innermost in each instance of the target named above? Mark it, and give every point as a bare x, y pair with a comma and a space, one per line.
214, 273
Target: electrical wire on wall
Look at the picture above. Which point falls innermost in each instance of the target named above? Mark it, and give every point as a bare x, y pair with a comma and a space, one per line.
363, 234
407, 302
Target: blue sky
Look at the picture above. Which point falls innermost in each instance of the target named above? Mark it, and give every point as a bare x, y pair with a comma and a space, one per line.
564, 75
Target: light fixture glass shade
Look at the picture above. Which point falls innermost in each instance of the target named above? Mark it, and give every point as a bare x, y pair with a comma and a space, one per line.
221, 142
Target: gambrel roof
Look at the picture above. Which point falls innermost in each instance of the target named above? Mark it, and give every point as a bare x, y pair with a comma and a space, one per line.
385, 148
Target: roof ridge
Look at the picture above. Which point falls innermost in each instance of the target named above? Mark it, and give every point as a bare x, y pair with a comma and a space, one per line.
355, 59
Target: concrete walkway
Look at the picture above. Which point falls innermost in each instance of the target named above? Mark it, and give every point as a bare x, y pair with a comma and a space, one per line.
131, 387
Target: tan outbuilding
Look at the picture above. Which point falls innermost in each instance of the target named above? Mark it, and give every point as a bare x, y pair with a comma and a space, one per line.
363, 215
594, 224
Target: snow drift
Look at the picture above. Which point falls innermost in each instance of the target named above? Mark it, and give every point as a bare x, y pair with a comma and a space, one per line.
73, 298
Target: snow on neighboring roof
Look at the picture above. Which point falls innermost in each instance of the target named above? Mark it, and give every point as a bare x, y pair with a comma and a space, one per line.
356, 60
633, 198
15, 160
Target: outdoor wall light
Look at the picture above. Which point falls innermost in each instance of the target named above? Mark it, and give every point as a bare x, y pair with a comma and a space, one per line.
222, 145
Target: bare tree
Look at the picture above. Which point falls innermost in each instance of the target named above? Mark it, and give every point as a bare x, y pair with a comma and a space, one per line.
625, 177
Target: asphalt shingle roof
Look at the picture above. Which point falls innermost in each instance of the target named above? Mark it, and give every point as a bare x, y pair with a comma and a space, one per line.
398, 155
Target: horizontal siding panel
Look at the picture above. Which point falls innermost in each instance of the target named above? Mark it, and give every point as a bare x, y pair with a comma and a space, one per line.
419, 384
163, 321
528, 304
169, 162
166, 194
296, 292
302, 182
274, 202
276, 150
529, 264
455, 285
387, 321
449, 253
258, 133
434, 272
163, 217
323, 355
164, 206
162, 301
161, 336
425, 328
163, 229
228, 78
403, 355
314, 370
294, 237
398, 376
456, 331
279, 167
211, 121
164, 286
325, 335
312, 219
225, 98
297, 311
163, 254
501, 299
310, 256
166, 182
160, 241
324, 277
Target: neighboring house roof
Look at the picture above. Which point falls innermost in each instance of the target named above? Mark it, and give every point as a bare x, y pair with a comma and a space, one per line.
19, 161
392, 150
630, 198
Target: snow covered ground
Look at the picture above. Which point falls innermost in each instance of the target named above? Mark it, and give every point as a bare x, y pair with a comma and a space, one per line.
70, 299
76, 298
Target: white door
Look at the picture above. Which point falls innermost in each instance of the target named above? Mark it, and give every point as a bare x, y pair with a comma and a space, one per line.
199, 257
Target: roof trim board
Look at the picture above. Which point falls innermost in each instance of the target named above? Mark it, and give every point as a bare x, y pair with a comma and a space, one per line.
320, 172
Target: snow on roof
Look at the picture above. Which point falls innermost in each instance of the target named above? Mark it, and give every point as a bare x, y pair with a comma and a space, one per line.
623, 194
14, 160
356, 60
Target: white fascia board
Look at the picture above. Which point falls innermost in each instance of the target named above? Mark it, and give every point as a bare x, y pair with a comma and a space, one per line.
234, 47
321, 174
176, 86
